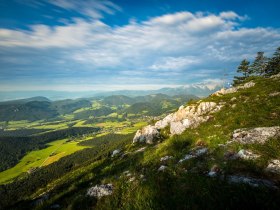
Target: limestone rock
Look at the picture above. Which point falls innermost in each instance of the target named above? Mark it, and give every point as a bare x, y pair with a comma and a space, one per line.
251, 181
255, 135
247, 155
146, 135
274, 94
115, 152
224, 91
177, 128
166, 158
186, 117
274, 166
162, 168
99, 191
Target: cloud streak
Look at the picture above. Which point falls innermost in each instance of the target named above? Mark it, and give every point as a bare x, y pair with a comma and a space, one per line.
176, 48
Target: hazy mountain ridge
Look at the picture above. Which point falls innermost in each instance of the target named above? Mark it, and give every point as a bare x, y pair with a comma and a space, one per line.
198, 90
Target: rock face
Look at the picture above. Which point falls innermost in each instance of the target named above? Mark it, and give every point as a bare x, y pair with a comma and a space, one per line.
186, 117
247, 155
224, 91
251, 181
115, 152
146, 135
274, 166
255, 135
99, 191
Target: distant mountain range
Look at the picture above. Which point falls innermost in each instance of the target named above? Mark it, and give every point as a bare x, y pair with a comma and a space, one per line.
198, 90
38, 108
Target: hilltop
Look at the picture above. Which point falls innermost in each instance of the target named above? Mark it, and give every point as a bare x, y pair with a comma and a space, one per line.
215, 153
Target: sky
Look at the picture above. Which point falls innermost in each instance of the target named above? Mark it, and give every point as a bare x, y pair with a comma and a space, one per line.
70, 45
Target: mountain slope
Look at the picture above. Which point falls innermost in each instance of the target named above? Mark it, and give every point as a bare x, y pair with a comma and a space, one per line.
200, 168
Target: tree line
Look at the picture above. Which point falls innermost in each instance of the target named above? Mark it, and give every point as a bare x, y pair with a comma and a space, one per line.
261, 66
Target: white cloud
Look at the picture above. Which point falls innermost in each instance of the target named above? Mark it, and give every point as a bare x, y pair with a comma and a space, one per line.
161, 49
174, 63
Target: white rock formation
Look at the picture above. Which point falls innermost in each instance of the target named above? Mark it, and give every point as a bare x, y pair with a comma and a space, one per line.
162, 168
99, 191
274, 166
224, 91
194, 154
186, 117
115, 152
255, 135
251, 181
146, 135
165, 158
247, 155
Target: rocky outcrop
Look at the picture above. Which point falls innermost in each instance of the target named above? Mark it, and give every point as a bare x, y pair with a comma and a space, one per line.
224, 91
115, 152
99, 191
255, 135
186, 117
246, 155
251, 181
197, 152
274, 166
146, 135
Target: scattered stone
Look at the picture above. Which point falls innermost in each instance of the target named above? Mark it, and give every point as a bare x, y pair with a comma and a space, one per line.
115, 152
214, 171
162, 168
142, 149
251, 181
127, 173
247, 155
146, 135
131, 179
274, 94
194, 154
187, 157
165, 158
275, 76
224, 91
274, 166
99, 191
233, 106
255, 135
233, 99
217, 126
200, 152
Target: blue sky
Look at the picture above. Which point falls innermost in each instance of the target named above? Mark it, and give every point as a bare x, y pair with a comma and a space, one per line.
126, 44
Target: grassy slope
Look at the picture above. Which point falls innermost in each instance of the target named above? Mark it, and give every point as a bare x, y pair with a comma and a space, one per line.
41, 158
176, 189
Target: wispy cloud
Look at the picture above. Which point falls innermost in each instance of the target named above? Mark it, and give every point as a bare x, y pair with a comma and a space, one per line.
177, 48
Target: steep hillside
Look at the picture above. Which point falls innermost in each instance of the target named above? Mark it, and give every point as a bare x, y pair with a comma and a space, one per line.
222, 152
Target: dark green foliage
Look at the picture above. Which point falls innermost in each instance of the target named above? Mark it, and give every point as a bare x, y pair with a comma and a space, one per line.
13, 148
103, 111
243, 68
117, 100
21, 132
259, 65
273, 66
32, 110
68, 106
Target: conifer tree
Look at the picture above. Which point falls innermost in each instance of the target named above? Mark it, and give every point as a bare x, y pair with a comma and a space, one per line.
273, 66
259, 65
243, 68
